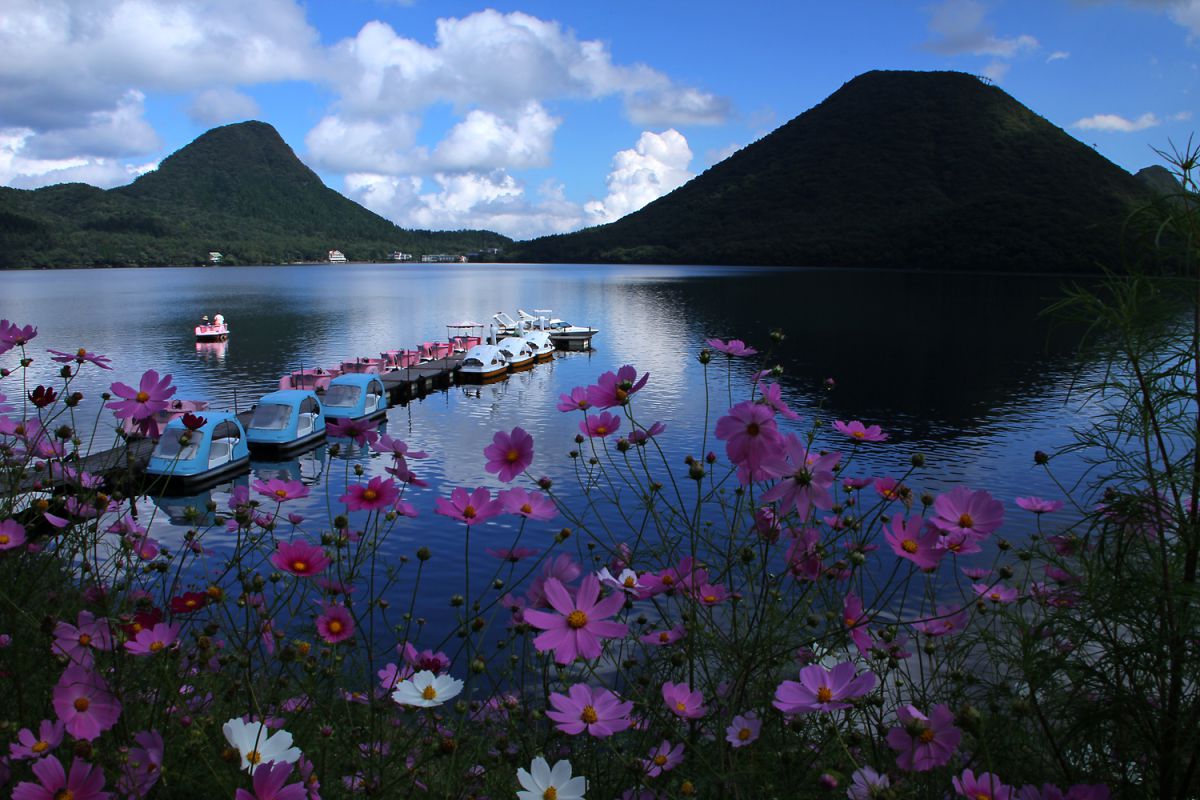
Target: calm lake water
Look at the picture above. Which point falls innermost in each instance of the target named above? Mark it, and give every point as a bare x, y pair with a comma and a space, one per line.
958, 367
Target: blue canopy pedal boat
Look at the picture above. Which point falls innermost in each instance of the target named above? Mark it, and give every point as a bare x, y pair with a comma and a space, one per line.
355, 396
192, 459
286, 422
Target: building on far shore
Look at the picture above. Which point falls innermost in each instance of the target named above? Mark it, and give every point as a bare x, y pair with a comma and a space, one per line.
443, 258
336, 257
399, 256
214, 257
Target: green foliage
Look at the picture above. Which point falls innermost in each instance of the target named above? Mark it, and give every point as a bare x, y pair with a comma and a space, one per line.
238, 190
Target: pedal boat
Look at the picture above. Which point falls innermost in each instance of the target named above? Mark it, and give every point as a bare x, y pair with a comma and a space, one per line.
353, 397
188, 459
286, 422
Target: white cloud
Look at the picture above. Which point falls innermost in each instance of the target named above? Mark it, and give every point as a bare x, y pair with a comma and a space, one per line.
1058, 55
107, 133
656, 165
1185, 13
959, 27
21, 170
365, 146
221, 105
996, 70
484, 140
1181, 116
1118, 124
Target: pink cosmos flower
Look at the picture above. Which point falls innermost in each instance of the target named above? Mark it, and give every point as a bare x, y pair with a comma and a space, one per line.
77, 641
563, 567
528, 504
579, 624
360, 431
378, 493
616, 389
49, 736
335, 623
299, 558
855, 618
960, 543
859, 432
984, 786
84, 703
12, 534
708, 594
663, 758
626, 581
396, 448
803, 554
472, 508
660, 638
820, 689
85, 782
512, 554
924, 742
391, 675
268, 783
141, 404
13, 335
143, 765
149, 641
640, 436
772, 395
949, 620
732, 348
599, 425
81, 355
509, 454
752, 441
964, 511
805, 480
1039, 506
682, 701
996, 593
907, 542
280, 490
743, 729
889, 488
599, 712
575, 401
427, 660
867, 784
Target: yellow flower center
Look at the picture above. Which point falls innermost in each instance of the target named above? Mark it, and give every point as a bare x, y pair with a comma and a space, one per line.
630, 582
469, 512
81, 704
965, 521
681, 706
824, 695
40, 747
926, 735
752, 429
156, 646
335, 626
849, 621
299, 565
859, 434
80, 353
254, 757
512, 456
744, 734
710, 598
601, 430
281, 493
526, 508
4, 538
577, 619
551, 793
664, 637
589, 715
429, 693
667, 580
142, 397
370, 494
983, 796
994, 597
659, 760
622, 395
909, 546
64, 794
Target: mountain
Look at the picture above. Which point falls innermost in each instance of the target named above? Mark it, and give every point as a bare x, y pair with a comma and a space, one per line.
925, 170
238, 190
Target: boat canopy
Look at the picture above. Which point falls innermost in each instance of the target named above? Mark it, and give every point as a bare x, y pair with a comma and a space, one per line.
485, 356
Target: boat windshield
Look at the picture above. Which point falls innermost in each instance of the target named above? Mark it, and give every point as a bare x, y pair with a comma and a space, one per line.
171, 448
271, 417
472, 362
342, 396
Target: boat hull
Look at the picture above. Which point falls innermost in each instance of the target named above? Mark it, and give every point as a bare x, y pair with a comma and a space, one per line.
473, 376
171, 484
281, 450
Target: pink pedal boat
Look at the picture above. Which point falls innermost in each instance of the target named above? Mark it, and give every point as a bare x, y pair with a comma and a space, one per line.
314, 380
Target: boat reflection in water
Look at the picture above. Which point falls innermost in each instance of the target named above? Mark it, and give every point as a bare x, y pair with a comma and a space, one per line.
212, 351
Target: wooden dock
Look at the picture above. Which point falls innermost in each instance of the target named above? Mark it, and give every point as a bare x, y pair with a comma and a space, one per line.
408, 383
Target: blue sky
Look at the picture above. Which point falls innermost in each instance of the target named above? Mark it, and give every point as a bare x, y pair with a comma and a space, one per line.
542, 117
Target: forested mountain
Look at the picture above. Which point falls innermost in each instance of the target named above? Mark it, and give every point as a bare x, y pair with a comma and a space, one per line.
238, 190
934, 170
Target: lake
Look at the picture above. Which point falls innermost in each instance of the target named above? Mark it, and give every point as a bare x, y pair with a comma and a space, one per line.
960, 368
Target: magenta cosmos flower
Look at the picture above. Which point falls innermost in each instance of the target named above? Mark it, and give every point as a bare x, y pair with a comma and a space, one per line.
268, 783
962, 510
85, 782
13, 335
805, 480
49, 736
469, 507
144, 402
682, 701
377, 493
924, 742
280, 490
599, 425
575, 401
859, 432
12, 534
1039, 506
77, 641
820, 689
996, 593
599, 712
743, 729
615, 389
360, 431
734, 347
149, 641
509, 454
143, 765
949, 620
335, 623
904, 535
84, 703
663, 758
524, 503
79, 356
984, 786
299, 558
855, 618
752, 441
660, 638
579, 624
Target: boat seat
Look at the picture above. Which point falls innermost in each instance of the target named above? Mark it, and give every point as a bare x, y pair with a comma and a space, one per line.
305, 424
220, 451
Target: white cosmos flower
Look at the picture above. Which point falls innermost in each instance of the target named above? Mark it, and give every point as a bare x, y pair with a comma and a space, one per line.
426, 689
541, 778
627, 581
257, 746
